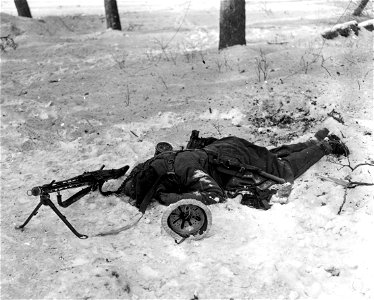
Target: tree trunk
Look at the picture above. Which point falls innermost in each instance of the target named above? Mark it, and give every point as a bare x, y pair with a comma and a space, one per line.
358, 11
112, 17
232, 23
23, 8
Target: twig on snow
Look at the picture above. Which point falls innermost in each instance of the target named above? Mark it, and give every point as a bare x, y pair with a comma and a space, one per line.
347, 184
163, 81
127, 101
89, 123
356, 166
218, 128
336, 116
367, 73
344, 200
134, 133
323, 66
277, 43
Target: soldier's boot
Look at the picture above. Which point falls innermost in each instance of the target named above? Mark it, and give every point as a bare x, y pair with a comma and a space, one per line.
321, 134
333, 145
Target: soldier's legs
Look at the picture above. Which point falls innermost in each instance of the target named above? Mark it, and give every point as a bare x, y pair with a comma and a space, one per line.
286, 150
301, 161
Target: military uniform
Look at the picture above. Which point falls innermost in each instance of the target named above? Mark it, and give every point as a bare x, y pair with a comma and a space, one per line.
229, 163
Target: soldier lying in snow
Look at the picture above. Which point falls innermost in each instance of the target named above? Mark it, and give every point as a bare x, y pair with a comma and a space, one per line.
212, 169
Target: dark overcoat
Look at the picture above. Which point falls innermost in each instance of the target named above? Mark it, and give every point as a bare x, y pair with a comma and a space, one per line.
193, 173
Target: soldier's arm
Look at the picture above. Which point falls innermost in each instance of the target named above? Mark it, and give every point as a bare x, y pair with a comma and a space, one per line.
198, 185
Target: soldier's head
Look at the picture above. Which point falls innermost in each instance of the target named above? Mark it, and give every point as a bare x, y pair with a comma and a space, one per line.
140, 181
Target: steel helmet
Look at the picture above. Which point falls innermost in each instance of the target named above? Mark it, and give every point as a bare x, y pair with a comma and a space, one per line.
187, 218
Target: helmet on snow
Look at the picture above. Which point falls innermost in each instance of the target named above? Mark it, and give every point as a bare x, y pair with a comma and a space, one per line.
187, 218
163, 147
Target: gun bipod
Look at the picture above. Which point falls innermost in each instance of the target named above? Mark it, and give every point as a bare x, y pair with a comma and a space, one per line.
45, 199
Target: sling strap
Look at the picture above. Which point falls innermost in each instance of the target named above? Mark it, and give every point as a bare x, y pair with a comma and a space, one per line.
229, 166
148, 197
169, 158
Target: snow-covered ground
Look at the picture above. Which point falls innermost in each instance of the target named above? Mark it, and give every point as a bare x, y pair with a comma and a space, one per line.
75, 96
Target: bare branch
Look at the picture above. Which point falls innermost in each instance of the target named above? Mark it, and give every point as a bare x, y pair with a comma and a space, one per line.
336, 115
344, 200
127, 102
262, 66
163, 81
358, 165
371, 164
134, 133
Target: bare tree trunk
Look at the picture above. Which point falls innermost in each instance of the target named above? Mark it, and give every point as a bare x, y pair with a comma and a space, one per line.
358, 11
232, 23
23, 8
111, 13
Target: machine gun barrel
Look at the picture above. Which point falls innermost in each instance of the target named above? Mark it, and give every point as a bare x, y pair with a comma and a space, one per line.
92, 180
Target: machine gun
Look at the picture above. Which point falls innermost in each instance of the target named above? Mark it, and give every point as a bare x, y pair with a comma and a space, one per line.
93, 180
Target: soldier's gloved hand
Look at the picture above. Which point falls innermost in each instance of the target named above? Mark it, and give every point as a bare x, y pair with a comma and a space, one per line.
169, 198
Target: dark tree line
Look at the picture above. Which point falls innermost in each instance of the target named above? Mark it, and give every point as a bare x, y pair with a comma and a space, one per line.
231, 23
111, 12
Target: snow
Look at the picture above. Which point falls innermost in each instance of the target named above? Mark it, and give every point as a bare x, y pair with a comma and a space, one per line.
202, 176
235, 115
63, 113
161, 121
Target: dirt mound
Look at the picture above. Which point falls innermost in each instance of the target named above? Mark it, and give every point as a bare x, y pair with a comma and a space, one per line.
50, 26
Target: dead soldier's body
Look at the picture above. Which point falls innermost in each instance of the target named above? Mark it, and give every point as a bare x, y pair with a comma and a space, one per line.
212, 169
